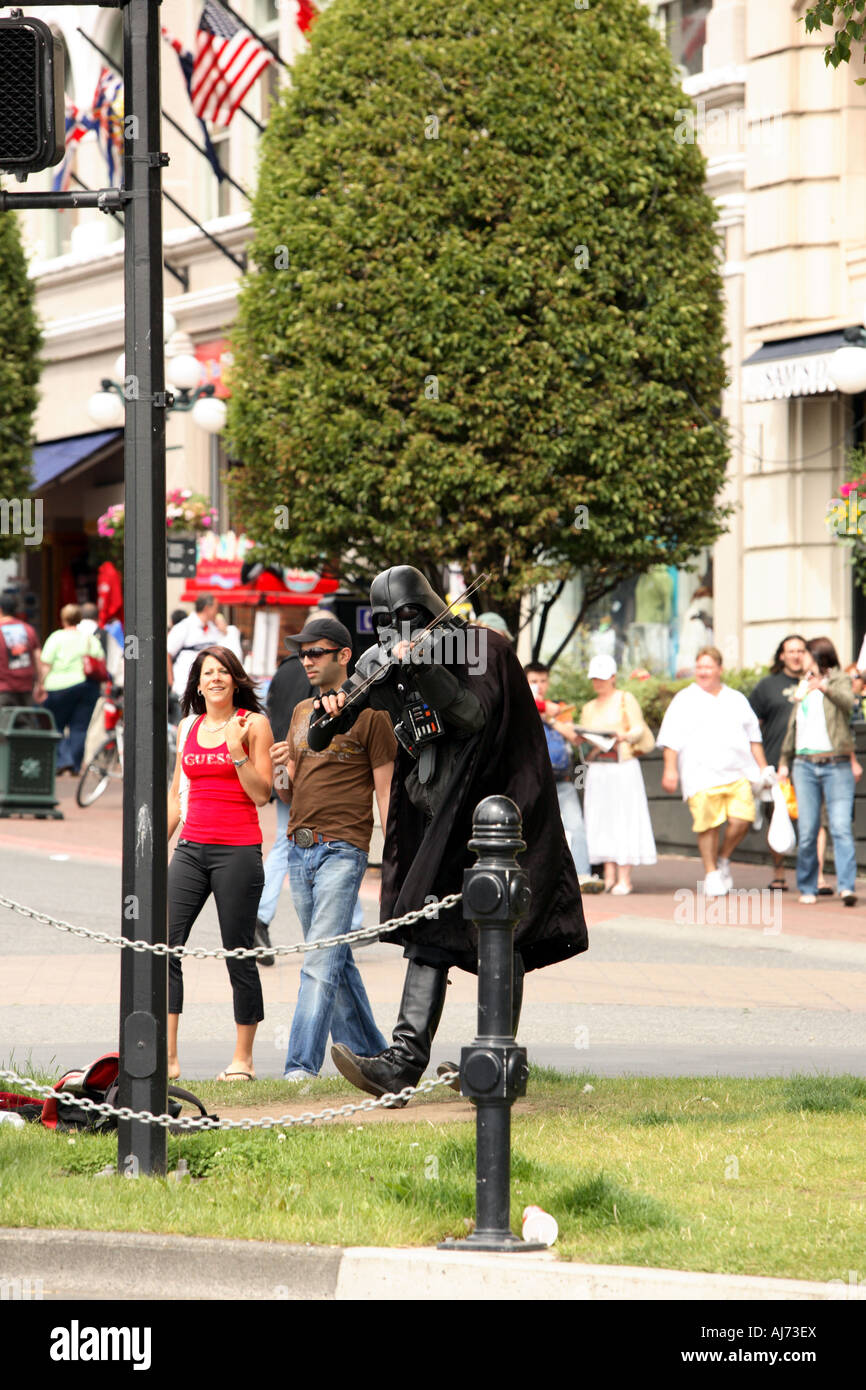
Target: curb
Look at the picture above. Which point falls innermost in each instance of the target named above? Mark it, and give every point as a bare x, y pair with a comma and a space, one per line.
115, 1265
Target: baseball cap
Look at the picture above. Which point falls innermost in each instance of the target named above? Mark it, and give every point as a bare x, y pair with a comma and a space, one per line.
601, 668
321, 629
497, 622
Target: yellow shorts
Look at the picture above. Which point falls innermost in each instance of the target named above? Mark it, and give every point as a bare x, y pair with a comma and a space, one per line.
717, 804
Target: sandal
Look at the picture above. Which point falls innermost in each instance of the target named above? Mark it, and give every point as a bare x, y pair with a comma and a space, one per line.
235, 1076
780, 884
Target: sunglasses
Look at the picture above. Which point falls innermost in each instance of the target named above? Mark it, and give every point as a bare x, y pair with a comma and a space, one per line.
313, 653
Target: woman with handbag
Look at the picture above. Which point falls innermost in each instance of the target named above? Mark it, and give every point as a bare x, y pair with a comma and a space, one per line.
222, 774
73, 664
618, 826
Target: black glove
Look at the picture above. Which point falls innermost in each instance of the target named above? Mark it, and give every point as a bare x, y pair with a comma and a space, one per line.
320, 733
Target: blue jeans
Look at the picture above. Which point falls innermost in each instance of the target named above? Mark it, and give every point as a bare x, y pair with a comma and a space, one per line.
572, 823
72, 708
325, 880
835, 783
276, 868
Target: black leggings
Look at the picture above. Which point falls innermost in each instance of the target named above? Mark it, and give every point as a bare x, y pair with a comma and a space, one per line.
235, 876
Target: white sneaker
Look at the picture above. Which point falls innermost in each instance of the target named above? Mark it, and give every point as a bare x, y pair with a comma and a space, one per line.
725, 871
715, 885
591, 883
808, 899
298, 1075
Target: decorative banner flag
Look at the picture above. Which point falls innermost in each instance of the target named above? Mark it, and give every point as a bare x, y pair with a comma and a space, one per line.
228, 60
77, 126
187, 63
307, 14
108, 112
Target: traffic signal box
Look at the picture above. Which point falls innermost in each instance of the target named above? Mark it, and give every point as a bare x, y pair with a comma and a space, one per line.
32, 106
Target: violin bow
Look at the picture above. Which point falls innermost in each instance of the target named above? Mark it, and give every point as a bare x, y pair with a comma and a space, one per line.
371, 680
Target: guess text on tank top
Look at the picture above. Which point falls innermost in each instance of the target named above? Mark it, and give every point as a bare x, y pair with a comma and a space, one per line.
205, 759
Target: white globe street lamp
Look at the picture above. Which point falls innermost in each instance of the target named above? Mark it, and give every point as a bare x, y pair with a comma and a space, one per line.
210, 413
105, 408
183, 374
847, 365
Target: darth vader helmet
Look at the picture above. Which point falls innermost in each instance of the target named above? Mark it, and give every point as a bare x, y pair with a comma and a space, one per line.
400, 596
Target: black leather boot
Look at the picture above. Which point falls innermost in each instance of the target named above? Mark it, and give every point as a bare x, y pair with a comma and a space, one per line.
516, 1005
262, 937
403, 1063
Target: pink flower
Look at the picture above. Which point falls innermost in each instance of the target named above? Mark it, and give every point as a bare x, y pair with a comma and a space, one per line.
206, 521
846, 488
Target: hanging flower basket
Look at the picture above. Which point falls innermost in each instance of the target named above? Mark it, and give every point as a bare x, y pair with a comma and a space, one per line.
185, 512
846, 515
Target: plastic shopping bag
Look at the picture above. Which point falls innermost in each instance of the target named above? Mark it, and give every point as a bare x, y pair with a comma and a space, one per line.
781, 838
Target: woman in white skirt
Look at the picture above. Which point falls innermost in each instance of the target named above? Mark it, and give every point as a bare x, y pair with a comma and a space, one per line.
618, 828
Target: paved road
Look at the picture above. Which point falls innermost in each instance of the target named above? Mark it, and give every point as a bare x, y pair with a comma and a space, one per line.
660, 992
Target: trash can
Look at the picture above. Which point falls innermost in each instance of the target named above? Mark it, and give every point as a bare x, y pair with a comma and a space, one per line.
27, 762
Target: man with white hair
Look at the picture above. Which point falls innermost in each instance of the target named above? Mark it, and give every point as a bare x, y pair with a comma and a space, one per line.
712, 743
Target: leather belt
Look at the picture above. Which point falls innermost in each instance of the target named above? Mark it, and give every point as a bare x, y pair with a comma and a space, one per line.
305, 838
823, 757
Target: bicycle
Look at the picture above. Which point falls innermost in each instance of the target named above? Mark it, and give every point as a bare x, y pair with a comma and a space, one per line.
106, 765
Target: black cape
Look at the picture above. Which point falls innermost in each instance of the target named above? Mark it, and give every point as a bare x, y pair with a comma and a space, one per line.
507, 757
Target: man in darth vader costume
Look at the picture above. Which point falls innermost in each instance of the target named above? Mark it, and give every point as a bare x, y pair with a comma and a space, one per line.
468, 728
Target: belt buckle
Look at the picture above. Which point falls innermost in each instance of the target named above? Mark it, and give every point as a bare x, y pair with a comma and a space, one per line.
304, 838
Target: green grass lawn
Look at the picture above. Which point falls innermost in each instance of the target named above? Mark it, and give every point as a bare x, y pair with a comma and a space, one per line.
720, 1174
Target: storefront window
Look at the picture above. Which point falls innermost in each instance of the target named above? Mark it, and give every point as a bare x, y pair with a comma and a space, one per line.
685, 26
656, 622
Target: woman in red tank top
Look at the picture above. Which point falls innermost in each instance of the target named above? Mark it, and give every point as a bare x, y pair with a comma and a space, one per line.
223, 773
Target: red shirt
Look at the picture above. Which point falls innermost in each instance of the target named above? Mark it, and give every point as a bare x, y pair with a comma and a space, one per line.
18, 642
220, 812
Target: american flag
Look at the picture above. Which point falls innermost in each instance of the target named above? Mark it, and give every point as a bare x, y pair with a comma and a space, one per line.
228, 60
307, 15
187, 64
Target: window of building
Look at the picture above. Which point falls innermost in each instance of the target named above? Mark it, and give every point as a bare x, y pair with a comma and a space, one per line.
685, 30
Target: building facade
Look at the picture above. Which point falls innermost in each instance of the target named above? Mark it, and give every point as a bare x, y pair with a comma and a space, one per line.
76, 262
783, 137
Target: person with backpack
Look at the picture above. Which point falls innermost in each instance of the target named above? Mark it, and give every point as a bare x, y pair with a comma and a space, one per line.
561, 741
19, 657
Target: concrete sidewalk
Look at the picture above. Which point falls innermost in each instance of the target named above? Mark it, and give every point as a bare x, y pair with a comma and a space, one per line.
92, 1265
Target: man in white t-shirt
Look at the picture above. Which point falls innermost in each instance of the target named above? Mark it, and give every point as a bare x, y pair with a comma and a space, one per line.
187, 638
712, 744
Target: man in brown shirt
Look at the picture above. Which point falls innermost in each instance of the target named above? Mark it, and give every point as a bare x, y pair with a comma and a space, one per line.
331, 821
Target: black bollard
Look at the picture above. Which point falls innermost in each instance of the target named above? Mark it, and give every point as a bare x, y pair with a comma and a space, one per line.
494, 1069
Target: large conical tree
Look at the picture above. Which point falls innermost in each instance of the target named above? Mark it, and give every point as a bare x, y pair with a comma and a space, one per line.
19, 376
485, 323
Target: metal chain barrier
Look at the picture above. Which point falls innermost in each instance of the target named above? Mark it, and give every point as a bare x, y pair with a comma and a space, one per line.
160, 948
310, 1117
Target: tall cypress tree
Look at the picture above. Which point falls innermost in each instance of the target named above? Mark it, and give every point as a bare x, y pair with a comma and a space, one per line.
485, 320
